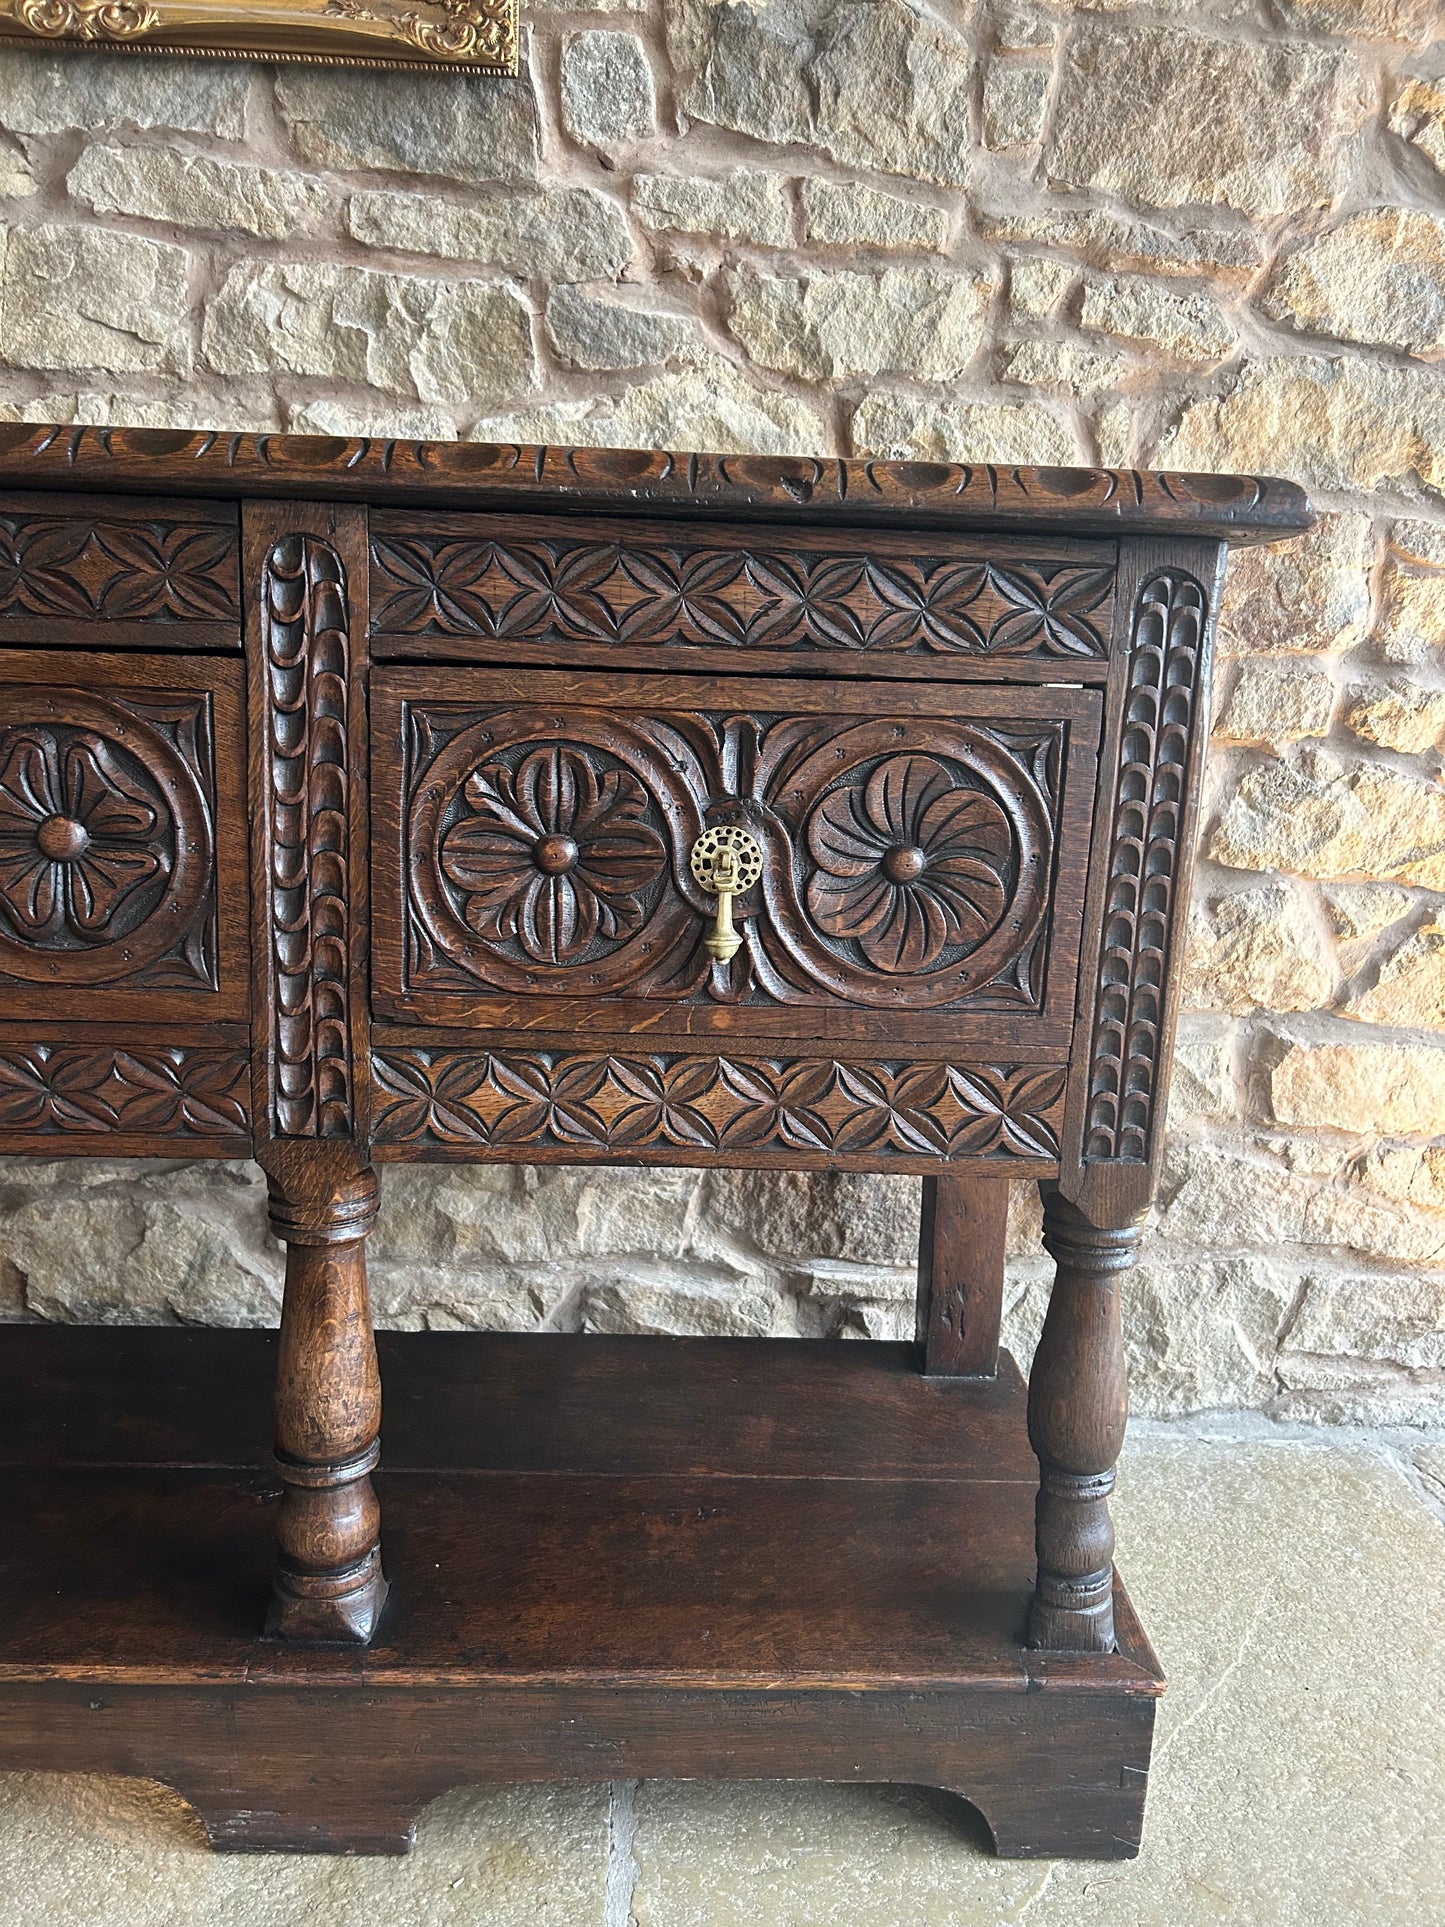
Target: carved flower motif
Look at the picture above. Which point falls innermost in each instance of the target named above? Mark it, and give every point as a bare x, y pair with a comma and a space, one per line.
909, 864
553, 855
76, 836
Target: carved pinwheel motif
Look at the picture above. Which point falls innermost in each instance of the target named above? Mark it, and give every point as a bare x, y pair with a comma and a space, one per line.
554, 854
910, 864
82, 841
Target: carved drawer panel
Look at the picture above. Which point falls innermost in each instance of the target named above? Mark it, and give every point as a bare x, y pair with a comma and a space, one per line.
478, 588
104, 573
123, 887
921, 851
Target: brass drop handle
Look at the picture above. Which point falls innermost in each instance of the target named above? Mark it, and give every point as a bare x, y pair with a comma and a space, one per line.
725, 862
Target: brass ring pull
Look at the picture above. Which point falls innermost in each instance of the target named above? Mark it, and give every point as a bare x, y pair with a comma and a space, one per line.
725, 861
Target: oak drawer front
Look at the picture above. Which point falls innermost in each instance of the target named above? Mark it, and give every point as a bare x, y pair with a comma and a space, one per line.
647, 595
922, 851
123, 865
97, 572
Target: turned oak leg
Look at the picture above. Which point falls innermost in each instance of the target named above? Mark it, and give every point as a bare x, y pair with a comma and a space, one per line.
1078, 1401
960, 1275
328, 1578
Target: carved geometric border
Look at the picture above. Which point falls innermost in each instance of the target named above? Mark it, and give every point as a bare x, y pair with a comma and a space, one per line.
627, 1102
107, 1089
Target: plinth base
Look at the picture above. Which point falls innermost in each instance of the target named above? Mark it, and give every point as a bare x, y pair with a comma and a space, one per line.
610, 1558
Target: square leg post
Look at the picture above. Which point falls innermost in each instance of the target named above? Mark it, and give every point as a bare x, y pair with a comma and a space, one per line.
960, 1275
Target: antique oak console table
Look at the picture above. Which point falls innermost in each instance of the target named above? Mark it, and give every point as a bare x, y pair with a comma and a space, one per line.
374, 801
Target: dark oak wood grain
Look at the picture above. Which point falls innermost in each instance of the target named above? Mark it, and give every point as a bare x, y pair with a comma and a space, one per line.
624, 1612
947, 723
784, 488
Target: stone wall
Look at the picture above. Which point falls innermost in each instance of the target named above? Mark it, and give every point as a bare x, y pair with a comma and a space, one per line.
1207, 235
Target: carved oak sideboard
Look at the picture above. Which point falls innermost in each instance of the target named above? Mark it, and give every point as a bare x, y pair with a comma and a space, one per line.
368, 802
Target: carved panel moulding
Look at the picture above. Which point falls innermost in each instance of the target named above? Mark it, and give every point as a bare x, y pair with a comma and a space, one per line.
1161, 717
476, 36
307, 658
68, 1089
107, 835
559, 1100
907, 863
94, 568
732, 598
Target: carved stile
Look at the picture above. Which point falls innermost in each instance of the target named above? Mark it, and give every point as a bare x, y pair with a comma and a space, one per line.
305, 633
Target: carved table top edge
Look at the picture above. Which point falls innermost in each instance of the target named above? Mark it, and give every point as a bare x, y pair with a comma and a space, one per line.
987, 496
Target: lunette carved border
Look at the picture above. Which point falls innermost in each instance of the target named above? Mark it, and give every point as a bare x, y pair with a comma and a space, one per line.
306, 642
1078, 501
1163, 713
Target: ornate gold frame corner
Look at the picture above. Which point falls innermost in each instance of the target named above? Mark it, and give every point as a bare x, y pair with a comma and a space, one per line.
467, 36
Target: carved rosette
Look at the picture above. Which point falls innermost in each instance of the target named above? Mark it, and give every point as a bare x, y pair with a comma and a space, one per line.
906, 864
307, 653
106, 841
1162, 717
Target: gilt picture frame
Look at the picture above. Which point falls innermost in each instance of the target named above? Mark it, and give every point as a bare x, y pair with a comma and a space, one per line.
468, 36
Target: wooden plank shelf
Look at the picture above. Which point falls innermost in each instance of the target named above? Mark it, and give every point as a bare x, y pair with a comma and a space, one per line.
609, 1557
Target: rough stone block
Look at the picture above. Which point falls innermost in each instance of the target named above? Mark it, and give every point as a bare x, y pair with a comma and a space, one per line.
1410, 989
876, 86
710, 407
1162, 115
1037, 284
1259, 949
1064, 364
608, 94
746, 205
848, 214
1417, 114
1201, 1334
1402, 716
1412, 616
1203, 1079
1378, 277
689, 1303
1187, 327
913, 321
1397, 1090
1312, 593
455, 126
1113, 242
438, 341
901, 427
1278, 700
1404, 22
1015, 99
563, 234
591, 331
76, 297
161, 185
17, 176
1316, 818
1361, 910
53, 93
1331, 423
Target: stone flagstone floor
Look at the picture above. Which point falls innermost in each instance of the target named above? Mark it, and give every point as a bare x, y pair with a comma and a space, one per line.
1293, 1585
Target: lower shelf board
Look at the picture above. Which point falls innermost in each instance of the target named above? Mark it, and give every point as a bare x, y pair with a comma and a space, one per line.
609, 1558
